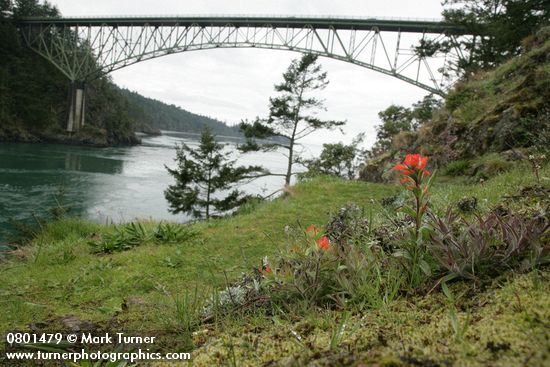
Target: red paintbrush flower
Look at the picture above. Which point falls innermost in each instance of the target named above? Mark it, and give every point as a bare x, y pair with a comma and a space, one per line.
412, 163
312, 229
323, 243
415, 161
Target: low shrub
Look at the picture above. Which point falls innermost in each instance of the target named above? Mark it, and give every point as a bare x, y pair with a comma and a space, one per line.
490, 166
316, 271
124, 237
307, 273
457, 168
249, 292
349, 225
333, 269
127, 236
173, 233
467, 204
489, 244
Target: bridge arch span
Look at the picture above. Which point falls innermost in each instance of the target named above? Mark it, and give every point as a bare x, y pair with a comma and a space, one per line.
436, 87
87, 48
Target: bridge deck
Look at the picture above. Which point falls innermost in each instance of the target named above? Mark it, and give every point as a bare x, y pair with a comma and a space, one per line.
357, 23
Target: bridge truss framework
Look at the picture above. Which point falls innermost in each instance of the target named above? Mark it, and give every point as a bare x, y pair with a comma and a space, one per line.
87, 48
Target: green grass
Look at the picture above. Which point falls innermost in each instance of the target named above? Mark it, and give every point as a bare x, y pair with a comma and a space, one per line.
59, 275
489, 192
150, 287
478, 99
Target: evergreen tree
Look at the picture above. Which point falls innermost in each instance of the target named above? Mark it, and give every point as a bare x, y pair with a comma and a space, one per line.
204, 173
6, 8
292, 113
499, 27
33, 92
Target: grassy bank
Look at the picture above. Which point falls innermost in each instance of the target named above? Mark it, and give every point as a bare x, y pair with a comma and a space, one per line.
58, 271
150, 288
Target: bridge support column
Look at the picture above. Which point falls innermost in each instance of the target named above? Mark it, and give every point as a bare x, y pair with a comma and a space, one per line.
77, 106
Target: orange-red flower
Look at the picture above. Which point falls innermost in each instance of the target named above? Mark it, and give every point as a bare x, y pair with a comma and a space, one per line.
323, 243
415, 161
412, 170
412, 163
267, 269
403, 169
312, 229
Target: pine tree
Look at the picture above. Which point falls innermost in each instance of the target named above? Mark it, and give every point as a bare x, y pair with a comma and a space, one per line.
499, 28
204, 173
292, 113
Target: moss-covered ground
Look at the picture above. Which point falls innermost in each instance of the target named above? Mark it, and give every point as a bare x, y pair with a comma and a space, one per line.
148, 290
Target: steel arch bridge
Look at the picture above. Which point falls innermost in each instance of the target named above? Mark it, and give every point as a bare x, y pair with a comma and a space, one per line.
87, 48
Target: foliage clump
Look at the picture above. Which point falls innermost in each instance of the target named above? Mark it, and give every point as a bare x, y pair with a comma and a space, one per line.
130, 235
488, 244
459, 167
240, 296
467, 204
501, 28
349, 224
337, 159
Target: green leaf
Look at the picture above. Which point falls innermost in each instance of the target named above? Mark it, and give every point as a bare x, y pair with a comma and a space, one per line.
425, 232
402, 253
447, 292
430, 179
449, 277
425, 267
408, 210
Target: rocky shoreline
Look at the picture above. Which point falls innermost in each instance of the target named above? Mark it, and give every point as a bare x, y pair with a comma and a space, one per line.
89, 136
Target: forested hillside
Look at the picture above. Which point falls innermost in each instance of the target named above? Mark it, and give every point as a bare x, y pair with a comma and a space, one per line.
34, 96
33, 93
152, 115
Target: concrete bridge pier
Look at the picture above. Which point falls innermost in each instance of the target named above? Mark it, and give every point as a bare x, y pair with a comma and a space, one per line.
77, 106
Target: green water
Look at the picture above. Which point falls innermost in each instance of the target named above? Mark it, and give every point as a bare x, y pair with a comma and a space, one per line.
99, 184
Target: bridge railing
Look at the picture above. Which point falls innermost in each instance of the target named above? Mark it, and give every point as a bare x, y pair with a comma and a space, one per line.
251, 16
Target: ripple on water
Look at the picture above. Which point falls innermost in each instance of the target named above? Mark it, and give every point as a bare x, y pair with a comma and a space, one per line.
100, 184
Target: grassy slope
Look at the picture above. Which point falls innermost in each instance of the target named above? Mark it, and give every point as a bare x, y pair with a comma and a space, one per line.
57, 276
521, 83
508, 321
491, 111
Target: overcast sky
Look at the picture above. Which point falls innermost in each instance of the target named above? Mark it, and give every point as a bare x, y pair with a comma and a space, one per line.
235, 84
